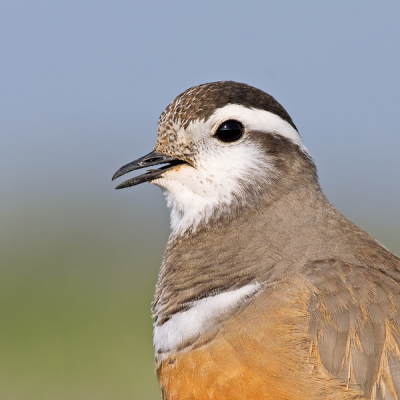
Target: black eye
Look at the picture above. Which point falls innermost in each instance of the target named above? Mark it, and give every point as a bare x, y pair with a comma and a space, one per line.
229, 131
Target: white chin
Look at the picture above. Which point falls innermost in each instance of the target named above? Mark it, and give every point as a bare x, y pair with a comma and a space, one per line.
194, 194
190, 197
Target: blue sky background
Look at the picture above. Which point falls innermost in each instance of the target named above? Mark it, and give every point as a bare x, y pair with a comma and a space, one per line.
82, 84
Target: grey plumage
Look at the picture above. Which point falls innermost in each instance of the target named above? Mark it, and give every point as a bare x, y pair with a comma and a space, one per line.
340, 288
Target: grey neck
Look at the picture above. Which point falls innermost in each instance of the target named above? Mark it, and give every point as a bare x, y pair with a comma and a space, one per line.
259, 245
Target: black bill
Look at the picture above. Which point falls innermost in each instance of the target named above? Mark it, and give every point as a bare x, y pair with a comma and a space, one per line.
153, 158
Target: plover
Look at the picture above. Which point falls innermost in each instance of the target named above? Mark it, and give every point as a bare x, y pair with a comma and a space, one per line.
266, 291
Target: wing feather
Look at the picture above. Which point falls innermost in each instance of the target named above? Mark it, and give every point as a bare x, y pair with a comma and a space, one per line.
354, 325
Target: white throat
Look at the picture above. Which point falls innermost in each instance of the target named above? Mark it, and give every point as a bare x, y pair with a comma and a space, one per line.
220, 171
195, 194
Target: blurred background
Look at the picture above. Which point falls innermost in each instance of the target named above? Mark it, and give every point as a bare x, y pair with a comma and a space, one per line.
82, 84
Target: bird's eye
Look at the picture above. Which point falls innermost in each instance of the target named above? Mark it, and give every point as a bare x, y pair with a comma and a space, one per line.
229, 131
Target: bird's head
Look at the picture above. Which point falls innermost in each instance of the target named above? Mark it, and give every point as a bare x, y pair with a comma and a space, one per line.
222, 147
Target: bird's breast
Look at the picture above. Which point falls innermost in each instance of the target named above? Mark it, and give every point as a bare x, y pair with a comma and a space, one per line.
263, 352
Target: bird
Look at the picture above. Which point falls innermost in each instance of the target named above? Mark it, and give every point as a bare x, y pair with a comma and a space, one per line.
265, 291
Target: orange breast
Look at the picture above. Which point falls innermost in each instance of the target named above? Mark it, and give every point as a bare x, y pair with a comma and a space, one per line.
262, 353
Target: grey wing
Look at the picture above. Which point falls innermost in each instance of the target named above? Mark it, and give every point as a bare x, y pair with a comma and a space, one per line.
354, 325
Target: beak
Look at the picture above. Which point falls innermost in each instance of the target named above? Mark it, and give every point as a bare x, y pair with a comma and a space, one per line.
153, 158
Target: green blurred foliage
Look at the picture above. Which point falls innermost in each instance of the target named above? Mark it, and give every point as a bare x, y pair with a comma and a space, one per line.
75, 298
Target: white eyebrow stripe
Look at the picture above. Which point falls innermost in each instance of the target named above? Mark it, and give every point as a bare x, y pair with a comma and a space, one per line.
258, 120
